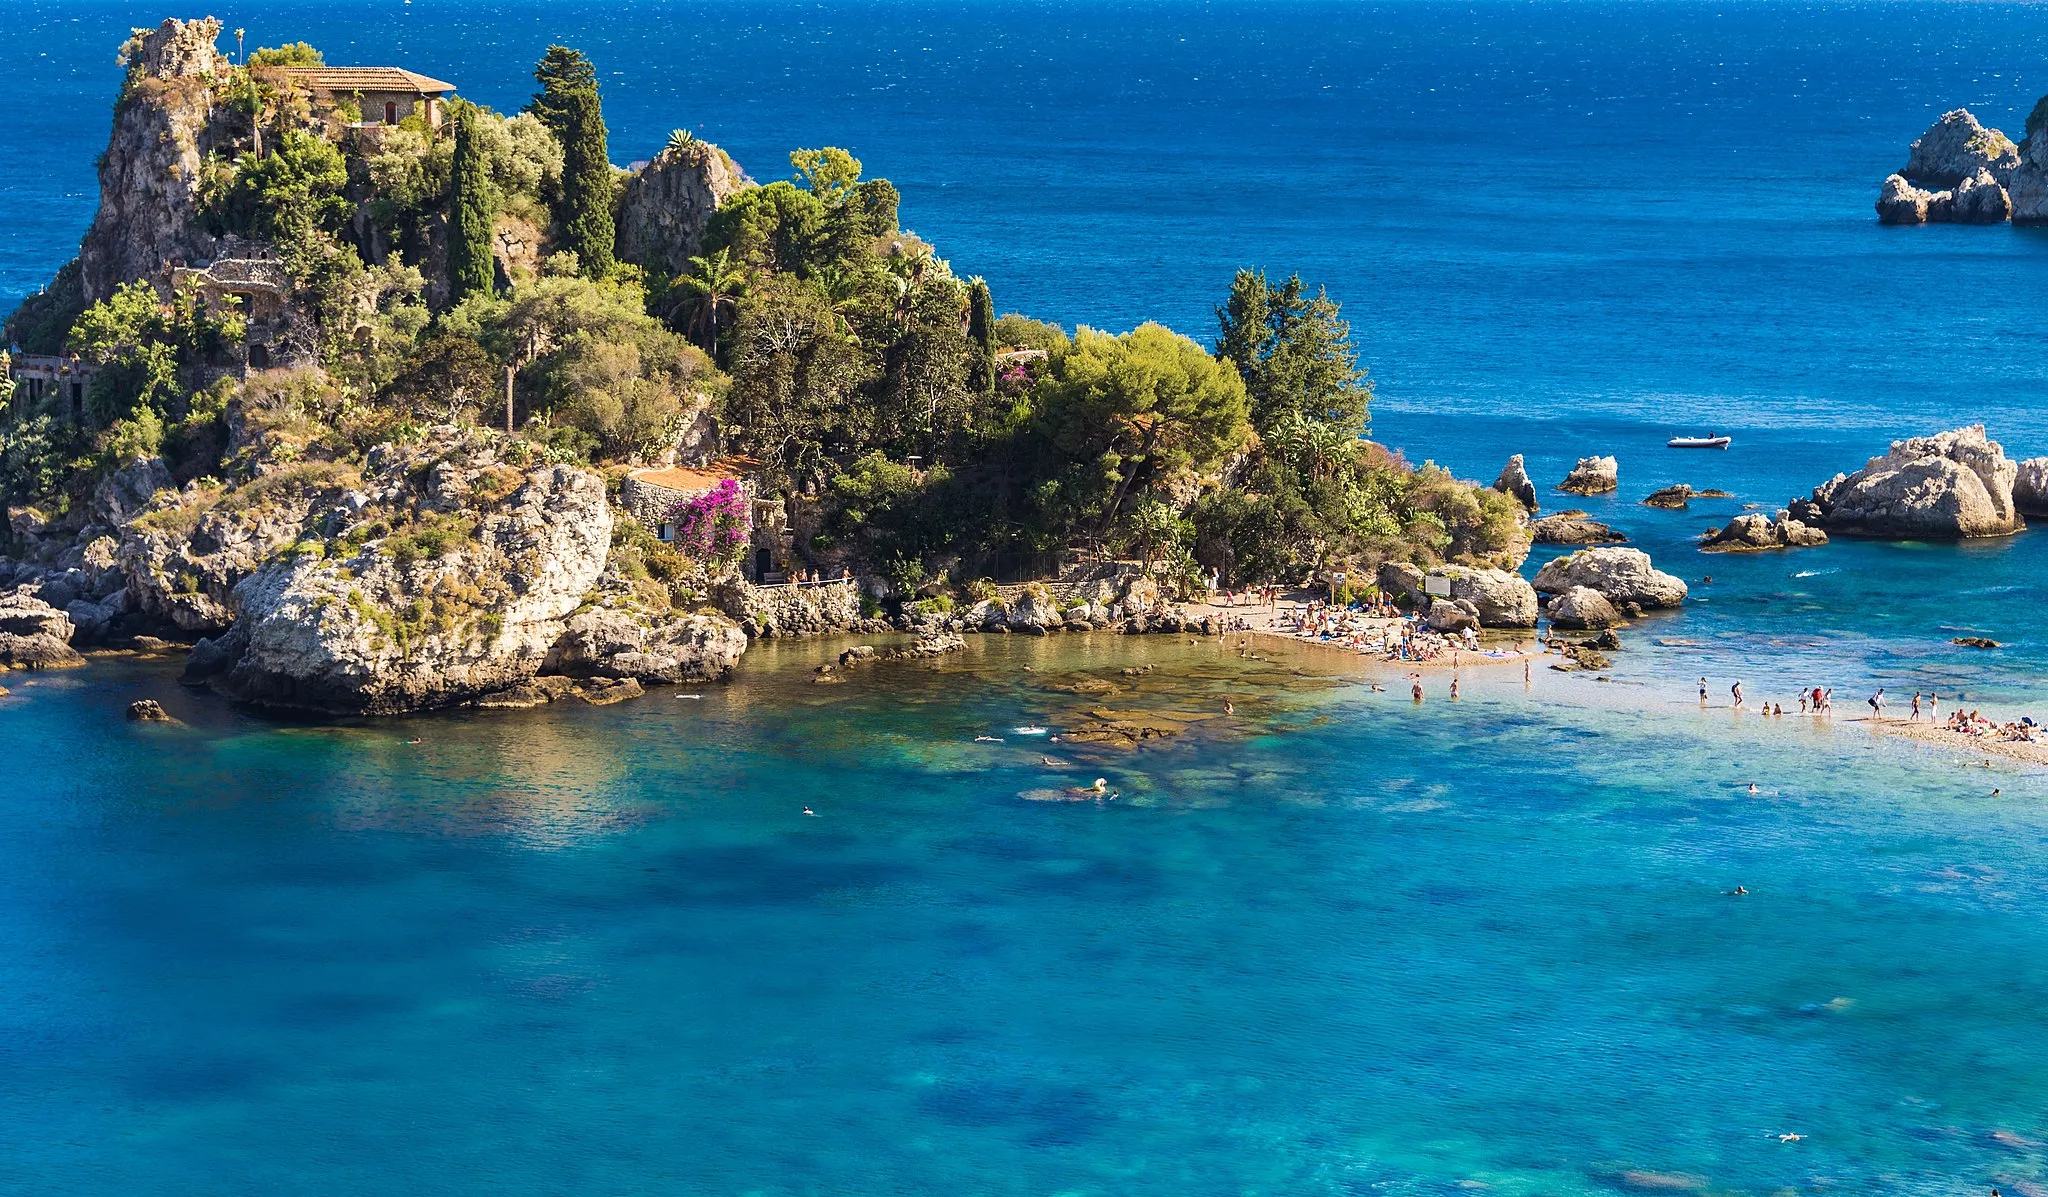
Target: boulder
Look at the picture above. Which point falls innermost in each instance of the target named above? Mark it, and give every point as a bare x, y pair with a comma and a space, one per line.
123, 494
1401, 583
604, 691
533, 692
1514, 482
1953, 485
1755, 533
1976, 200
1448, 615
2030, 486
1035, 610
1956, 148
1619, 575
1592, 476
23, 612
624, 641
148, 710
1582, 607
1899, 202
1671, 497
1496, 597
1571, 527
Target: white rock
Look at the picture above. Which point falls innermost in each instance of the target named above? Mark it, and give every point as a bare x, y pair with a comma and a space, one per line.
1620, 575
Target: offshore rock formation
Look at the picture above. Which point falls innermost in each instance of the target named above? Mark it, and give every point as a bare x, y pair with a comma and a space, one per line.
664, 207
1592, 476
1958, 171
1572, 527
2028, 187
2030, 486
1756, 533
1953, 485
1515, 483
1619, 575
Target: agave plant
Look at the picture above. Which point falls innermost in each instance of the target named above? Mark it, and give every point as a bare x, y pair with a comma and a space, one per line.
681, 139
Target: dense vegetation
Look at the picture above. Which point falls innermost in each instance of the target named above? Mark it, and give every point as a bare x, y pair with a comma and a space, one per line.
921, 435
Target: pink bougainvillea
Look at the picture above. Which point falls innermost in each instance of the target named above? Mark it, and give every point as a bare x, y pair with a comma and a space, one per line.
715, 525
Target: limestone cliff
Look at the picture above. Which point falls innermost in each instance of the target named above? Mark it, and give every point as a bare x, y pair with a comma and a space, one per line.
164, 125
665, 205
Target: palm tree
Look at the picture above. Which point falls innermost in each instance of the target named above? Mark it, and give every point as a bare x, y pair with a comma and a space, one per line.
715, 283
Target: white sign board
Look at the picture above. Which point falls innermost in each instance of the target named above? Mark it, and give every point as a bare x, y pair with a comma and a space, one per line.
1437, 587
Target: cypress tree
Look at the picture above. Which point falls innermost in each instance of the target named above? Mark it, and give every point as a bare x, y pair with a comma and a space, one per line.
469, 218
586, 217
981, 332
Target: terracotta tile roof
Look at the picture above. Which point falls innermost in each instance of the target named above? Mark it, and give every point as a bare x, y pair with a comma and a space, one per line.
348, 79
682, 478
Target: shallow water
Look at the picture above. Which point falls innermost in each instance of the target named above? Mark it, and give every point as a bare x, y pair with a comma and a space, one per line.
1336, 943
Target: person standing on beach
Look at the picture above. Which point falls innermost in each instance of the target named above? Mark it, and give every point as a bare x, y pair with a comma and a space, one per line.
1934, 708
1703, 692
1916, 705
1736, 690
1876, 702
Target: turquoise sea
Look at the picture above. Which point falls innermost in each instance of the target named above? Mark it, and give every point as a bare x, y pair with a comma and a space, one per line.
1339, 944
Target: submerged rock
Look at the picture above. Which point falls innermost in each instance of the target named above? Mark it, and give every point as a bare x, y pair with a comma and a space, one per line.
1755, 533
1953, 485
1592, 476
1572, 527
1619, 575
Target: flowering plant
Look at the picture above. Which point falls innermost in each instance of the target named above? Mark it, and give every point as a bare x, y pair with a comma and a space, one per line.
715, 525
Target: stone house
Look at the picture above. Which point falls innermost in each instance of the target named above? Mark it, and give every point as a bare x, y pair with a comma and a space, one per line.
382, 95
256, 282
36, 377
648, 495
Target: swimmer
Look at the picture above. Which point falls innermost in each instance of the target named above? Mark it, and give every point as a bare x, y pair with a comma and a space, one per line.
1416, 690
1378, 689
1789, 1137
1050, 763
1738, 891
810, 812
1752, 789
988, 739
1996, 792
414, 740
1228, 709
1101, 784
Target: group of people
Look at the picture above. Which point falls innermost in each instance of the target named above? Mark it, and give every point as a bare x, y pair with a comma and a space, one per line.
1820, 700
1261, 596
1367, 629
1973, 723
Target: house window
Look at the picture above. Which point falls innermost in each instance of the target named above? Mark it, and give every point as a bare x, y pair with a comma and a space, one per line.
667, 532
390, 112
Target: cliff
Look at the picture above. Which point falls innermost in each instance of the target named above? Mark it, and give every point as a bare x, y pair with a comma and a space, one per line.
664, 206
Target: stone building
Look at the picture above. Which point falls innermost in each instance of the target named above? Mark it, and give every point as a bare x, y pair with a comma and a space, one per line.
256, 282
36, 377
382, 95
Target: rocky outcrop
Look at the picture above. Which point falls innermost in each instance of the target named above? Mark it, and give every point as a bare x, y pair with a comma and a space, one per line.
436, 619
2028, 187
621, 633
810, 610
1582, 607
1673, 498
1949, 486
1955, 148
1899, 202
665, 206
1756, 533
149, 179
185, 554
1620, 575
2030, 486
1497, 598
1514, 482
1402, 584
1572, 527
1957, 172
1592, 476
148, 710
33, 634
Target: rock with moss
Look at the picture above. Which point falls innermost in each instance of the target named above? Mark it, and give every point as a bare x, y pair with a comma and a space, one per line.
1514, 482
429, 615
622, 633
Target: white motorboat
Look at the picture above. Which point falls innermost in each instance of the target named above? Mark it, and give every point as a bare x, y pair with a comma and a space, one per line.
1709, 441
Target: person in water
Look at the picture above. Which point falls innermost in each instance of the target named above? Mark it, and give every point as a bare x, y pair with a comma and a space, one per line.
1228, 709
810, 812
1736, 690
1703, 692
1752, 789
1454, 687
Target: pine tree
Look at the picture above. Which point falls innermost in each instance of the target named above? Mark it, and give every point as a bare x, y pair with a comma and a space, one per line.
559, 72
469, 218
586, 217
981, 333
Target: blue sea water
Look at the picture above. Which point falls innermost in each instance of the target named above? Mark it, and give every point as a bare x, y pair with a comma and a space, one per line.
1346, 945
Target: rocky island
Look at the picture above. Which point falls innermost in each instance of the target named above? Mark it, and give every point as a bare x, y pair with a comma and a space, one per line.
377, 400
